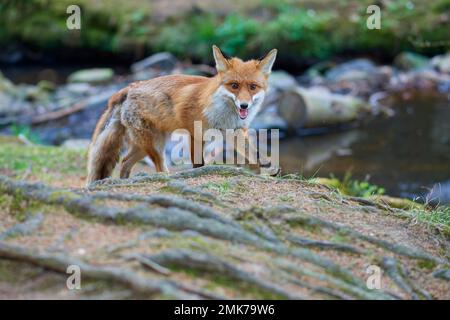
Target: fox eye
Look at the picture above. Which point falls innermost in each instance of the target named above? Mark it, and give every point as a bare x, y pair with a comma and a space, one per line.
253, 87
234, 85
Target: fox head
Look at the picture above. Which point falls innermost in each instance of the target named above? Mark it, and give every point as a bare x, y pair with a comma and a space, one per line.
243, 84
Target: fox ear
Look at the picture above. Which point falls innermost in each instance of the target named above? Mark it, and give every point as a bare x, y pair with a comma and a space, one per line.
266, 62
220, 59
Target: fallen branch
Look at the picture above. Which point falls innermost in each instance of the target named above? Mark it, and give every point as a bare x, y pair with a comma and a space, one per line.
57, 114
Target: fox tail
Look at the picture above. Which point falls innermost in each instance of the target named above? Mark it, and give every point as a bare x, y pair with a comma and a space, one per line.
108, 137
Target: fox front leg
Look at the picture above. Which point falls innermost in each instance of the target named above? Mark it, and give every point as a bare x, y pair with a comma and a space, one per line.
197, 153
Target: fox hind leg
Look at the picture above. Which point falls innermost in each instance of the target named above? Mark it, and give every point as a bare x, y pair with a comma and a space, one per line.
159, 140
133, 155
155, 150
152, 144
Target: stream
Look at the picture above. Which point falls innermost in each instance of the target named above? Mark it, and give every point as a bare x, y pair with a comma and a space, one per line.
407, 154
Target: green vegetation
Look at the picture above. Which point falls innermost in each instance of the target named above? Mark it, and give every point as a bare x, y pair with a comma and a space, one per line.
25, 131
45, 163
439, 217
302, 30
223, 188
351, 187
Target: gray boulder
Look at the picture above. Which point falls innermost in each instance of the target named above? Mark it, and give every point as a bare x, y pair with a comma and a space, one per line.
441, 63
281, 80
163, 61
352, 70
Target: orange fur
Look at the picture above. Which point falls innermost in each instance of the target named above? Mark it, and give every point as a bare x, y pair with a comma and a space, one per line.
146, 111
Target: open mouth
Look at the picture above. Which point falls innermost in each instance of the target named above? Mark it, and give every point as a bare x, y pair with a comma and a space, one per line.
243, 113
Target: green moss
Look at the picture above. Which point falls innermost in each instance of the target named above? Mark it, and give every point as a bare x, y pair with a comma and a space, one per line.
350, 187
220, 281
17, 272
18, 206
45, 162
286, 198
4, 199
340, 238
426, 264
62, 194
223, 187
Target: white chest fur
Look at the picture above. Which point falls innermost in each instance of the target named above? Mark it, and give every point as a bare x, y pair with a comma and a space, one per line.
222, 112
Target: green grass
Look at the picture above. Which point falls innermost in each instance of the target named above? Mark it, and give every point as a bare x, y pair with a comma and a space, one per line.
439, 217
351, 187
38, 160
223, 188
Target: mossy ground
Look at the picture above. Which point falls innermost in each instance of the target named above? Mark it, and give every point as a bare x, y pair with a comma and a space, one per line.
253, 203
47, 164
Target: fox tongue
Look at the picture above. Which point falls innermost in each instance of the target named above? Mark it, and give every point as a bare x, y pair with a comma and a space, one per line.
243, 113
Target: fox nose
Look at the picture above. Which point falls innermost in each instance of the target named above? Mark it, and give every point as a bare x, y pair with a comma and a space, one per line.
244, 105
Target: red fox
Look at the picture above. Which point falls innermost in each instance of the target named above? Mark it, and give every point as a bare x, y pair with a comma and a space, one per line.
145, 112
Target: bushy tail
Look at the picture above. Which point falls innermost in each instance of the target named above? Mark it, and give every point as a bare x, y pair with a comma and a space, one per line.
108, 137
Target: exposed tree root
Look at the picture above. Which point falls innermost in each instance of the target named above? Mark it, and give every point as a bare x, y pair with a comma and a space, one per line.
190, 173
32, 223
300, 218
183, 188
167, 201
123, 276
207, 263
357, 292
173, 215
171, 218
442, 274
148, 263
323, 245
397, 273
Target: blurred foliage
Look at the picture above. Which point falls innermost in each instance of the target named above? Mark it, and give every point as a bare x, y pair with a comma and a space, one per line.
25, 132
359, 188
301, 30
351, 187
438, 216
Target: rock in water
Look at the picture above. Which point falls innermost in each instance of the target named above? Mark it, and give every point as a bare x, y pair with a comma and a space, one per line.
441, 63
163, 61
410, 61
351, 70
95, 75
281, 80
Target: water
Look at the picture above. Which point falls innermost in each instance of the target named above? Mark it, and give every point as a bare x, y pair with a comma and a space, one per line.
406, 154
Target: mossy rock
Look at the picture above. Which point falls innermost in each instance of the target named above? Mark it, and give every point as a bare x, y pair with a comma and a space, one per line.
95, 75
